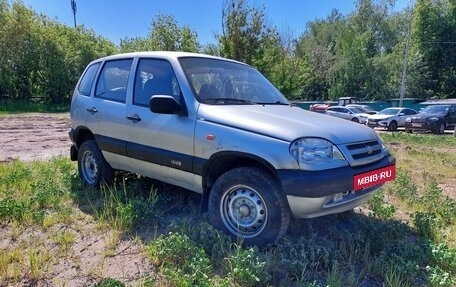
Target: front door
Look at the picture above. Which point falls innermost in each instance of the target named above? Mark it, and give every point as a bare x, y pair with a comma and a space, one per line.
160, 145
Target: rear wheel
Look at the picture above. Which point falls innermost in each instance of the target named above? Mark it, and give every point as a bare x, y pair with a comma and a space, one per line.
248, 204
92, 166
392, 126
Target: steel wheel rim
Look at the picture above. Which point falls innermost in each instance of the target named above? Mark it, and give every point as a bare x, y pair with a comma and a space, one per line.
89, 167
243, 211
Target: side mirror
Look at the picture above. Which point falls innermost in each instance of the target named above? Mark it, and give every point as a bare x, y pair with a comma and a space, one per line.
162, 104
401, 114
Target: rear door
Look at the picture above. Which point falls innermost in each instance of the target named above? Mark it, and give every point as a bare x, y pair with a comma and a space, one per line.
106, 113
452, 116
160, 145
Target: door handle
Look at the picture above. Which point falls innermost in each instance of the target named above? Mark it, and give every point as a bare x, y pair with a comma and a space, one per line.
92, 110
134, 118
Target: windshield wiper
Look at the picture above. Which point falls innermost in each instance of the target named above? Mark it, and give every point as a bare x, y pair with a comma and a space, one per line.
275, 103
230, 101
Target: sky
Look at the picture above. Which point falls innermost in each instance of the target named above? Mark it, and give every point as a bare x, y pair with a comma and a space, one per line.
117, 19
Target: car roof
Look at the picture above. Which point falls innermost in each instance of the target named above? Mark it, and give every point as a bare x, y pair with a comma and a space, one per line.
162, 54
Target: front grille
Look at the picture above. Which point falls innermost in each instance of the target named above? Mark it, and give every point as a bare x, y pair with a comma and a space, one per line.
365, 152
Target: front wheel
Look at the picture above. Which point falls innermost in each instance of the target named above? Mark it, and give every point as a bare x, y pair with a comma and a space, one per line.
92, 166
392, 126
249, 205
441, 129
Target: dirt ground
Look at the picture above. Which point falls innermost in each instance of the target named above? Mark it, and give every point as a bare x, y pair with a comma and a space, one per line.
95, 254
35, 136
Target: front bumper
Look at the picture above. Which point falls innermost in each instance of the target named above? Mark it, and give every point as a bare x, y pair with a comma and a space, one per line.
423, 126
380, 123
317, 193
315, 184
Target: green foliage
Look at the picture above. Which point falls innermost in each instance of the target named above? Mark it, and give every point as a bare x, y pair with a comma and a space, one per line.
433, 48
164, 35
109, 282
29, 191
380, 208
124, 210
183, 262
246, 267
40, 59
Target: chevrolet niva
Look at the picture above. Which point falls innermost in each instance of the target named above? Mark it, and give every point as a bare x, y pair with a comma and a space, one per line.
219, 128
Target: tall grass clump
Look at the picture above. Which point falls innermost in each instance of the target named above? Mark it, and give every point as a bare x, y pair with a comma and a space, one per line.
31, 191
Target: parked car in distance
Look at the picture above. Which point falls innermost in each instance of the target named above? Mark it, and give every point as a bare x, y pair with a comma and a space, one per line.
390, 118
219, 128
365, 108
433, 118
349, 113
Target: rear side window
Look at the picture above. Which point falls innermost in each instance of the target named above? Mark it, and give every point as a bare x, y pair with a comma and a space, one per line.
87, 80
113, 80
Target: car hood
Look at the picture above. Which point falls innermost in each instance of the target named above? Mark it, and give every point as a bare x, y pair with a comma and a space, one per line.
286, 122
380, 117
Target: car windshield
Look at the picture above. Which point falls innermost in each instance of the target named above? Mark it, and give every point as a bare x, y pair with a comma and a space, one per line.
435, 109
356, 110
389, 112
220, 82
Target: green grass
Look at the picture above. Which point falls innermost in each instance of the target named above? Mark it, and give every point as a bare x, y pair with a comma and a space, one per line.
408, 237
7, 107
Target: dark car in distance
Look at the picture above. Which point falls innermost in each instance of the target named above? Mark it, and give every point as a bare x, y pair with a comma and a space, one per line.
433, 118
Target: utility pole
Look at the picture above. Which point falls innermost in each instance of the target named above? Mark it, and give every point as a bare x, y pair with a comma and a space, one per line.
75, 9
407, 47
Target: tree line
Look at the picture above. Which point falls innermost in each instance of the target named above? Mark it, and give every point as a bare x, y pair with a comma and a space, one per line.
360, 54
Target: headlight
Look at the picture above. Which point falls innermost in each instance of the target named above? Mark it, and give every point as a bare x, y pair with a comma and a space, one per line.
384, 147
408, 120
433, 119
315, 151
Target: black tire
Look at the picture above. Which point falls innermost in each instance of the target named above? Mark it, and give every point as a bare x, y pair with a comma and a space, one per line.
392, 126
355, 120
441, 129
92, 166
249, 205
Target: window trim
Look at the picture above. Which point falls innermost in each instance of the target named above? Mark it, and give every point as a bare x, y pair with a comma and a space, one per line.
124, 101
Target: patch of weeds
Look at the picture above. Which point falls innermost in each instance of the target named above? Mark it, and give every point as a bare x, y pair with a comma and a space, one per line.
109, 282
403, 186
13, 209
34, 190
65, 240
439, 277
125, 206
215, 243
394, 278
427, 224
246, 267
182, 261
39, 261
380, 208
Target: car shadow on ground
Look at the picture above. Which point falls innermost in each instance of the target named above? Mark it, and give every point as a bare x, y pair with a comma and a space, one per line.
354, 241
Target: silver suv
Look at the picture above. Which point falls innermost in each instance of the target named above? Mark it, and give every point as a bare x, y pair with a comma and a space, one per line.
219, 128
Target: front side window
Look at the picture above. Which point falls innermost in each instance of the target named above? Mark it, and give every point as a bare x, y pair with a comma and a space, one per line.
154, 77
113, 80
87, 80
220, 82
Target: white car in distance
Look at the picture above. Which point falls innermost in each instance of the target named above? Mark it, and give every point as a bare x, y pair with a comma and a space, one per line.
353, 114
390, 118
